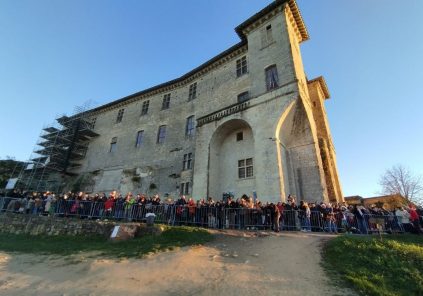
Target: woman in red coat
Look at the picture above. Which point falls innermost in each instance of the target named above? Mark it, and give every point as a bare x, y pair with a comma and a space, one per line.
108, 206
414, 219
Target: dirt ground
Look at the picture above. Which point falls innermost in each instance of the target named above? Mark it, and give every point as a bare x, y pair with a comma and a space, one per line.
234, 264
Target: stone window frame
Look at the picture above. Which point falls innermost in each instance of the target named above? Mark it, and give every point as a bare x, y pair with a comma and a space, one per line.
269, 33
119, 117
139, 138
241, 66
272, 77
192, 94
243, 97
190, 126
267, 36
245, 168
184, 188
161, 134
113, 145
187, 162
166, 101
144, 108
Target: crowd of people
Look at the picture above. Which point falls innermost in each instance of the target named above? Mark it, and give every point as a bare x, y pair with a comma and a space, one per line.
241, 213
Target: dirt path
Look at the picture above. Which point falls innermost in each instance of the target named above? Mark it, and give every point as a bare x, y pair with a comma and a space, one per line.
234, 264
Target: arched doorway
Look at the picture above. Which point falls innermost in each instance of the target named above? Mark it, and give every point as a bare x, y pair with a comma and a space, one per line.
231, 160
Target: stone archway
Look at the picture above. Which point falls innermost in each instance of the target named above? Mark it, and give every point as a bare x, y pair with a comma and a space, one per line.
231, 142
298, 155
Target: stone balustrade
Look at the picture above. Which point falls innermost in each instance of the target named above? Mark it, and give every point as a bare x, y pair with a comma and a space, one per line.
219, 114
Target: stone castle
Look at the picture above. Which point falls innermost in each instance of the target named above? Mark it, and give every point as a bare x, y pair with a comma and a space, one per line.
248, 121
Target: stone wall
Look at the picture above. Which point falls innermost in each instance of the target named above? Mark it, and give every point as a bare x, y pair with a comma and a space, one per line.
43, 225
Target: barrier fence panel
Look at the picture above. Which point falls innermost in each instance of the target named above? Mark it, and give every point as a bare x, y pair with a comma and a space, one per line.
11, 205
382, 223
316, 221
2, 203
290, 220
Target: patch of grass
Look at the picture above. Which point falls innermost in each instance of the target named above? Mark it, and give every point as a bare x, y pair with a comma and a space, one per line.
171, 238
392, 265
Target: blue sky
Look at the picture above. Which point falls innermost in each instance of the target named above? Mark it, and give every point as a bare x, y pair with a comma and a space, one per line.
55, 55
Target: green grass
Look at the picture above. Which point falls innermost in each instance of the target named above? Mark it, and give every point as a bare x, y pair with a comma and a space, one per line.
171, 238
392, 265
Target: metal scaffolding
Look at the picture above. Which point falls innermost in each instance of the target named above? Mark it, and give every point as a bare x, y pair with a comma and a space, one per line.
59, 150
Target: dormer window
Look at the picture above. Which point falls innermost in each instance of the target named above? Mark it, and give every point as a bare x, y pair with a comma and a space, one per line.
192, 91
241, 66
144, 109
266, 36
120, 116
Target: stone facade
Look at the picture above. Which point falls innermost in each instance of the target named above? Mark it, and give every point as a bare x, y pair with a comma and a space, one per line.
286, 146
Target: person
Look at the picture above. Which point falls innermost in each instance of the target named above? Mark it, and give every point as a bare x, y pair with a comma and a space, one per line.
290, 214
276, 218
403, 219
128, 206
306, 223
281, 209
119, 205
49, 201
359, 212
191, 210
30, 205
414, 219
108, 206
329, 218
38, 204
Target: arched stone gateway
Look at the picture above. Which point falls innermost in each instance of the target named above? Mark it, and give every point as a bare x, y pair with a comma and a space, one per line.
298, 154
271, 148
231, 160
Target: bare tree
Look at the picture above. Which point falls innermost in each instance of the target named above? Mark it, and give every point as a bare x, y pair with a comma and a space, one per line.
400, 180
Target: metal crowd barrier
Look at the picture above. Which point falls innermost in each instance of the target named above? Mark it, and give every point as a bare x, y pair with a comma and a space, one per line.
217, 217
2, 199
383, 223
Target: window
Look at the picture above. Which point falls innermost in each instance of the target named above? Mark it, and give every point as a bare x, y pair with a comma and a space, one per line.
242, 97
239, 136
187, 163
189, 128
266, 36
245, 168
272, 80
241, 66
138, 140
161, 135
144, 109
113, 145
185, 188
166, 102
269, 35
120, 116
192, 91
